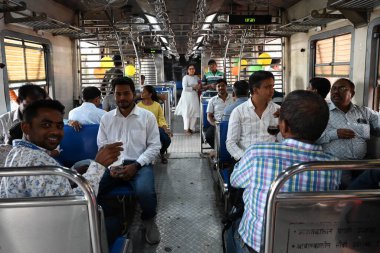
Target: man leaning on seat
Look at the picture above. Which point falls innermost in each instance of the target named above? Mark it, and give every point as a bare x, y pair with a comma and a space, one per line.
303, 118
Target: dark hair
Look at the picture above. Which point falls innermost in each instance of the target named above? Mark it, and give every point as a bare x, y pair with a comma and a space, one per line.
90, 93
221, 80
142, 76
306, 114
15, 132
33, 91
256, 78
212, 61
152, 91
31, 111
117, 60
188, 66
241, 88
123, 81
345, 80
321, 84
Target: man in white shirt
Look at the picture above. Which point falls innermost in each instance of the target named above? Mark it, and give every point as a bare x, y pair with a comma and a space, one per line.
27, 94
215, 109
88, 112
138, 130
249, 121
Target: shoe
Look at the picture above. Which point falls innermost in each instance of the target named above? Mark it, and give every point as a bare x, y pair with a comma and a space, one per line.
152, 234
164, 160
187, 132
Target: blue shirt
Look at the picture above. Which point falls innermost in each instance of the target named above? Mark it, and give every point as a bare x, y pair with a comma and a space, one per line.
260, 166
228, 110
87, 113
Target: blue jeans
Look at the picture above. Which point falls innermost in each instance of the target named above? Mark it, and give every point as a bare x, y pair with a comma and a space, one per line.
234, 242
165, 140
142, 184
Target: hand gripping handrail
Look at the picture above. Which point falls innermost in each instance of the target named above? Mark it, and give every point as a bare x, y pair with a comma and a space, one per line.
89, 193
299, 168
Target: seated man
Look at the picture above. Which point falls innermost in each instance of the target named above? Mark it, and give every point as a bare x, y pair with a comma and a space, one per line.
88, 112
42, 126
249, 122
241, 91
349, 126
215, 109
27, 94
138, 130
303, 117
320, 85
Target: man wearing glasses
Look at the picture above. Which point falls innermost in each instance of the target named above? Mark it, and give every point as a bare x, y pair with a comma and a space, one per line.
349, 126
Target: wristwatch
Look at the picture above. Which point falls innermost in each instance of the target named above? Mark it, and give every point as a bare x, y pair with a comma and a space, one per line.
138, 165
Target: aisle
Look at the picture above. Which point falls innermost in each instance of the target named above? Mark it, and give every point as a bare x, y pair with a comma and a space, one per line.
189, 211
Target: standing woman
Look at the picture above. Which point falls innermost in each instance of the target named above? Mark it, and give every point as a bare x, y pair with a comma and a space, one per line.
188, 105
151, 103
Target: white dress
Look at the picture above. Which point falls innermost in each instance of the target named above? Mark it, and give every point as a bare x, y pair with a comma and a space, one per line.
188, 105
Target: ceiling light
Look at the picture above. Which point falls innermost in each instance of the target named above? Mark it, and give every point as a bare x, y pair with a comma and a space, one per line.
208, 19
164, 40
199, 39
153, 20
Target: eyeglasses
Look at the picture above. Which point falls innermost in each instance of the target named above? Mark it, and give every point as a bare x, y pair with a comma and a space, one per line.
191, 68
341, 89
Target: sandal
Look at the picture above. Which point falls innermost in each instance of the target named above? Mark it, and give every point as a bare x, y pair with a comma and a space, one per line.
164, 160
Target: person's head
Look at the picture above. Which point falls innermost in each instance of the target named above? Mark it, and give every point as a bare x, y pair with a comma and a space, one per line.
212, 66
124, 91
142, 79
221, 87
15, 133
303, 116
29, 93
241, 88
43, 123
91, 95
342, 91
190, 69
319, 85
149, 92
261, 84
117, 60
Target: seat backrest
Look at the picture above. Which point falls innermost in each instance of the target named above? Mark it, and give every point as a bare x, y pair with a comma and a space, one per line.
225, 156
77, 146
50, 224
205, 123
322, 221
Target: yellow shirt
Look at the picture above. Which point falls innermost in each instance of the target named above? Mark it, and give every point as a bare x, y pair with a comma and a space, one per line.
156, 109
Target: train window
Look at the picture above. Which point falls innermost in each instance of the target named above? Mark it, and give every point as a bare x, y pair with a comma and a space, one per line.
332, 57
26, 62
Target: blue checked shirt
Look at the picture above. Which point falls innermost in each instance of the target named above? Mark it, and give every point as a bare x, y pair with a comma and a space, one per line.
260, 166
361, 120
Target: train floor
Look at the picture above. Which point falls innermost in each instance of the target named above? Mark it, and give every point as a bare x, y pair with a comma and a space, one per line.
189, 209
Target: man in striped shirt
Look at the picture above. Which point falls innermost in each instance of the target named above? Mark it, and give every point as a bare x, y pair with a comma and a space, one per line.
303, 118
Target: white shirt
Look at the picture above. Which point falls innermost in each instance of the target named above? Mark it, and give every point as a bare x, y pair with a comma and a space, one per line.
138, 132
7, 120
25, 154
216, 106
245, 127
87, 113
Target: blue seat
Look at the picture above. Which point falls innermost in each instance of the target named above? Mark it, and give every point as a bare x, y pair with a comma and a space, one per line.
224, 155
77, 146
206, 124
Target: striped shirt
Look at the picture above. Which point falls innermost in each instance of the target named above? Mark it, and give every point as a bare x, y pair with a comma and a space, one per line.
361, 120
260, 166
245, 127
211, 78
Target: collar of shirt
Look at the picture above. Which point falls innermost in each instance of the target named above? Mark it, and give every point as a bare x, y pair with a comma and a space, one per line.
227, 98
27, 144
88, 104
333, 107
241, 99
135, 111
301, 145
251, 105
16, 116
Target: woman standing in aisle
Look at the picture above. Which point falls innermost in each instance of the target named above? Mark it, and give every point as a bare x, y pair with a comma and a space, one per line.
188, 105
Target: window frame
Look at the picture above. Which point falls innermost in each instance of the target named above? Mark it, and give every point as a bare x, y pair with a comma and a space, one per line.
47, 46
326, 35
371, 64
